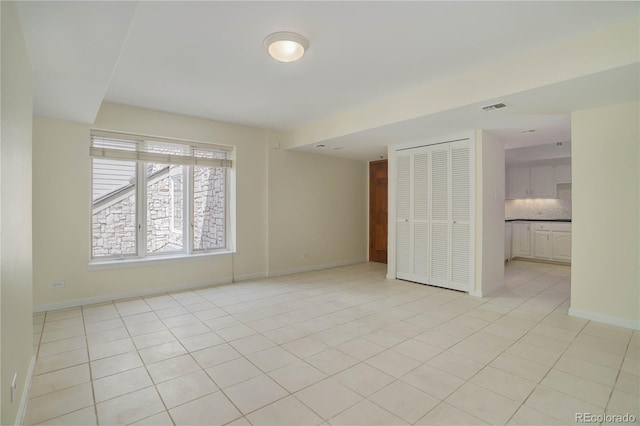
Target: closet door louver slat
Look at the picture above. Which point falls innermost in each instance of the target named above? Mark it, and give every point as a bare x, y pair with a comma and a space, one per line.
460, 215
440, 211
420, 222
403, 216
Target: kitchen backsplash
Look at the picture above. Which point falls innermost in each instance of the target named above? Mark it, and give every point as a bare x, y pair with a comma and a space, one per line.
551, 208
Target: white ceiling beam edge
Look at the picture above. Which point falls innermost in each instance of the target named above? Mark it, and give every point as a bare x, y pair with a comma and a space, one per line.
608, 49
71, 79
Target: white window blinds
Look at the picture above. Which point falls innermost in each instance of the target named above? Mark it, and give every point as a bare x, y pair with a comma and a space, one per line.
121, 146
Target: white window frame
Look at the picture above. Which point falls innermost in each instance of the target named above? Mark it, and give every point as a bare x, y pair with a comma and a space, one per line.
188, 218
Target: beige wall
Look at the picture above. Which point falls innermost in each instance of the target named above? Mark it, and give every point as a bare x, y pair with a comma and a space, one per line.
62, 208
15, 214
605, 265
316, 210
315, 204
490, 193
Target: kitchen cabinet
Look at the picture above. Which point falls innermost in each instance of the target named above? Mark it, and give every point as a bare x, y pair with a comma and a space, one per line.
563, 173
537, 181
543, 183
518, 180
521, 244
561, 246
542, 240
507, 241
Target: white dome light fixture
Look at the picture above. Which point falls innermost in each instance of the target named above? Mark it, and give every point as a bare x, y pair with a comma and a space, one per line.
286, 46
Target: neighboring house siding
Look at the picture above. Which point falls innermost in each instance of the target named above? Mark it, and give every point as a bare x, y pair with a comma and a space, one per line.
110, 175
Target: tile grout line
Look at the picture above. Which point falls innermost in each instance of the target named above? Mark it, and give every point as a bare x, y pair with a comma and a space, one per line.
335, 325
547, 373
93, 392
613, 388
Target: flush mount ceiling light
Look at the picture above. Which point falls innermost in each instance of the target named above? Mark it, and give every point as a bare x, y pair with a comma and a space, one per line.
286, 46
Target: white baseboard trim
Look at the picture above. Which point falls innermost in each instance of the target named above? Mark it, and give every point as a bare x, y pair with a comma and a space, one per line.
481, 294
136, 293
607, 319
248, 277
24, 401
74, 303
314, 267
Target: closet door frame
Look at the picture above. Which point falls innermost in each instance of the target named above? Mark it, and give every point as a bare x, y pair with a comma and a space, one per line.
462, 138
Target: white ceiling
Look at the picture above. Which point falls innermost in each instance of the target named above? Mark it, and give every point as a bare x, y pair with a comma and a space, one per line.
207, 59
545, 110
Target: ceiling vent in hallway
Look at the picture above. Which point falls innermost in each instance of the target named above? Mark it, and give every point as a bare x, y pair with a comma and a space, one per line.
494, 106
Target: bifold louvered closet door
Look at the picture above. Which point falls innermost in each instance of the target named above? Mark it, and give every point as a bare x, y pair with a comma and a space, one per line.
433, 215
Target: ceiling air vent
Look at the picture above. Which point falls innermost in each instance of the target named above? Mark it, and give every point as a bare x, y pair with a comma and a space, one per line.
494, 106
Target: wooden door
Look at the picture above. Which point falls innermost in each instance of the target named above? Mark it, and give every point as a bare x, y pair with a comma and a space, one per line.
378, 211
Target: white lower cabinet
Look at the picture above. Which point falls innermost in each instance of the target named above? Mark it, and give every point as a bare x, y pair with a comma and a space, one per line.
521, 244
507, 240
562, 246
542, 244
542, 240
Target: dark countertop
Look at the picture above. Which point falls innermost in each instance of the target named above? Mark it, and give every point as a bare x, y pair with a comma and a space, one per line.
538, 220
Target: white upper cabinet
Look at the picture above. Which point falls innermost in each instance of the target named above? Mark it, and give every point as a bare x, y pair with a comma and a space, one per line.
519, 179
543, 184
563, 173
532, 181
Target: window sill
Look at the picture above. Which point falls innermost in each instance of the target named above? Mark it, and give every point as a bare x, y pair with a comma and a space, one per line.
99, 265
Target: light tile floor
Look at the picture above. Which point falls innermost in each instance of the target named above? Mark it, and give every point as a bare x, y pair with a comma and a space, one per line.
342, 346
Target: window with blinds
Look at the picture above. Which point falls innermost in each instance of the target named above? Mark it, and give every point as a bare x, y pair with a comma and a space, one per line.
158, 197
